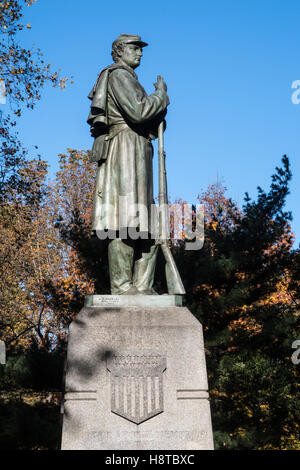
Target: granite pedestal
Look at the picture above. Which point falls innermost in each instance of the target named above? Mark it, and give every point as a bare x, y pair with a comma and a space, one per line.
136, 377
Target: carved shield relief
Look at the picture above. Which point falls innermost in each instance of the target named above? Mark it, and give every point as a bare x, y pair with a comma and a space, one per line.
137, 384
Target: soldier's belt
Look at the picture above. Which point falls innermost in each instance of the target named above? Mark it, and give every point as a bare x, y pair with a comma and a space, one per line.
115, 130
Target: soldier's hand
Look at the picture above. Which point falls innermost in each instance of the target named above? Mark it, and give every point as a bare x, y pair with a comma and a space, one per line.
160, 84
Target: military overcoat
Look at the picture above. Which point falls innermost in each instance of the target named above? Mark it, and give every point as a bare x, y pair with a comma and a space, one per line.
124, 120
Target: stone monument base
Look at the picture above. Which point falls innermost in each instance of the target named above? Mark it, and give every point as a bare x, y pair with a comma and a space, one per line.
136, 379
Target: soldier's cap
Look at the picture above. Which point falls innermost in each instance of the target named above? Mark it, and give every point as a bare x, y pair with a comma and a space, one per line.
130, 39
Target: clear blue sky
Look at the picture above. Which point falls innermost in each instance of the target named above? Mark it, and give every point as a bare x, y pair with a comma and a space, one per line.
229, 66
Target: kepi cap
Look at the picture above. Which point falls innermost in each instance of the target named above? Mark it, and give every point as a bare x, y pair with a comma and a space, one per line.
130, 39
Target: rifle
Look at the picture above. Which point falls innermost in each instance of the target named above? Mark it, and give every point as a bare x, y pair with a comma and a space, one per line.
174, 281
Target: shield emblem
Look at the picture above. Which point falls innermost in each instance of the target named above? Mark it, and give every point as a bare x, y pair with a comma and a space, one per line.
137, 384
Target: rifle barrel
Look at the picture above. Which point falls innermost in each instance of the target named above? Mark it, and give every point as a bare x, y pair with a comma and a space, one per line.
174, 282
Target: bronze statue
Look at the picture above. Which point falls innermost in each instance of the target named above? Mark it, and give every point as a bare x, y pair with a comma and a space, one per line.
124, 120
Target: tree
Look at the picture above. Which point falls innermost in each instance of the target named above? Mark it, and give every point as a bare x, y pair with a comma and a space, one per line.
85, 256
24, 73
240, 287
21, 233
23, 252
243, 288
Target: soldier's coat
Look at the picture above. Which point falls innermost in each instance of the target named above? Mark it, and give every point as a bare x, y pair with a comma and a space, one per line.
125, 160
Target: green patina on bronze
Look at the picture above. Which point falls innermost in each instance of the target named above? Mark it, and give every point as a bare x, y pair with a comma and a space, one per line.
124, 120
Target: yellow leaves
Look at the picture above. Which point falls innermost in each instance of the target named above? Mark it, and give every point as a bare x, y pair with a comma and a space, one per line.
291, 442
247, 323
62, 82
241, 431
208, 290
264, 408
240, 276
249, 412
282, 295
216, 393
17, 71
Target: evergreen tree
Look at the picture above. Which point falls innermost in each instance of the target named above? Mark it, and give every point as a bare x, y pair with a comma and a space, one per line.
241, 288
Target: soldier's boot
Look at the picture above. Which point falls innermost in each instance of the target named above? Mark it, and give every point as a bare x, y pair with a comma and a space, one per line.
144, 270
120, 260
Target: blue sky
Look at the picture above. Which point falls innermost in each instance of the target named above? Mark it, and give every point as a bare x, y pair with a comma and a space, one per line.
229, 66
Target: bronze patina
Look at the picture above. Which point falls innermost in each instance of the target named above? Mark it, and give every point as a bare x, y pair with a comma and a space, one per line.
124, 120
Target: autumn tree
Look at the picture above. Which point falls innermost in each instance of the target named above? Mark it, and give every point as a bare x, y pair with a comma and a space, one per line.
242, 285
72, 205
86, 256
22, 181
239, 286
26, 243
46, 253
29, 246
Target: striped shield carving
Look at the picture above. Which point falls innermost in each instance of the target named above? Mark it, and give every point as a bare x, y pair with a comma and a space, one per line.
137, 384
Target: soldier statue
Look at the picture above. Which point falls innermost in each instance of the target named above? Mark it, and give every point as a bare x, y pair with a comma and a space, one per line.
124, 120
